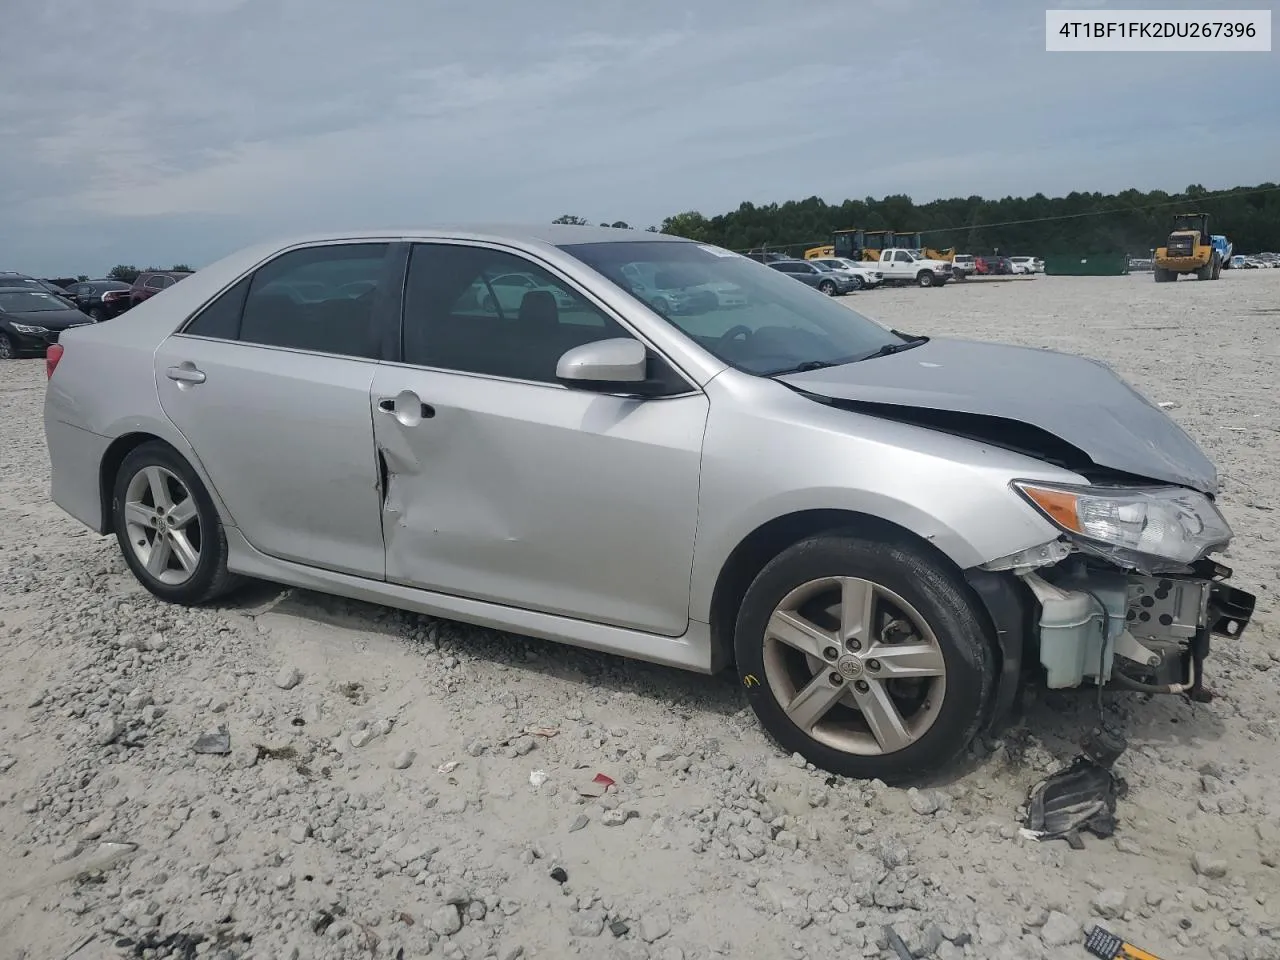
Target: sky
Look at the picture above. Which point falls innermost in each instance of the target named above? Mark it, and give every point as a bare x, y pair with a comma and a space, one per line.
152, 132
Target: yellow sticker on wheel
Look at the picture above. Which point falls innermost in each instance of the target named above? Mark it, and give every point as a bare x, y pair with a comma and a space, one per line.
750, 680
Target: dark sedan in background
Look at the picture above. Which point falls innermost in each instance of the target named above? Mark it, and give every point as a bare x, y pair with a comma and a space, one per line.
101, 299
20, 280
829, 281
30, 320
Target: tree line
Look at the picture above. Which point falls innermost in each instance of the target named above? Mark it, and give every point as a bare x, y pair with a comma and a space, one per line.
1131, 222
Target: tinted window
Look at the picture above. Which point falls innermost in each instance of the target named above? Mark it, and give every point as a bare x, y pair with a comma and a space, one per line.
221, 319
458, 316
318, 298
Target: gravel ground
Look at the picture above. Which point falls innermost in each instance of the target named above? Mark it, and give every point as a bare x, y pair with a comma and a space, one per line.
403, 787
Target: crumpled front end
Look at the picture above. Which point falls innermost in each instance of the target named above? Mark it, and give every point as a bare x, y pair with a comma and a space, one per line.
1128, 594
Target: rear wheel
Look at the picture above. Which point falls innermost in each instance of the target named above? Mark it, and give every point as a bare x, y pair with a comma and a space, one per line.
168, 528
865, 657
97, 314
1162, 275
924, 278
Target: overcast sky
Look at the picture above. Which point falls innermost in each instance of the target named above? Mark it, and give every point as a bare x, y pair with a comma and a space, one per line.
158, 131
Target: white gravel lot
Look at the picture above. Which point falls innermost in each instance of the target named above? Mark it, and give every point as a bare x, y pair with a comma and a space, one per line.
379, 799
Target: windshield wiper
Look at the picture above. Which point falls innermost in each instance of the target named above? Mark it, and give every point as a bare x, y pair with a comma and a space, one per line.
808, 365
892, 348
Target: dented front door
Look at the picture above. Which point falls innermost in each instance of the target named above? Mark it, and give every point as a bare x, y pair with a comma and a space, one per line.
535, 496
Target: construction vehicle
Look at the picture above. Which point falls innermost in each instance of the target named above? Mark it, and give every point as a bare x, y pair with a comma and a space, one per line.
865, 245
1191, 249
912, 242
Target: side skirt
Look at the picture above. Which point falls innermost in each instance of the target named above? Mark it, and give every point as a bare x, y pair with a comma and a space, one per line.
689, 652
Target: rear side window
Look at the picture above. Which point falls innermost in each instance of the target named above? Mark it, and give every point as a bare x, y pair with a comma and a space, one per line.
221, 319
317, 298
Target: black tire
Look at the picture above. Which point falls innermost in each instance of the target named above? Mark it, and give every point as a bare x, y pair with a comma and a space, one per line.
97, 314
924, 278
7, 349
1217, 267
1162, 275
942, 600
856, 282
827, 287
210, 578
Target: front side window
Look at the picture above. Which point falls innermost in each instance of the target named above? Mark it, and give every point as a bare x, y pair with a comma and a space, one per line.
781, 326
315, 298
902, 256
480, 310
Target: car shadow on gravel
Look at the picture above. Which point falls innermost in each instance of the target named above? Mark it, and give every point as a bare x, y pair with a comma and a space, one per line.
715, 695
1049, 722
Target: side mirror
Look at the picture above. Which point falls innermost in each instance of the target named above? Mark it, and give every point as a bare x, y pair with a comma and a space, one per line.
619, 365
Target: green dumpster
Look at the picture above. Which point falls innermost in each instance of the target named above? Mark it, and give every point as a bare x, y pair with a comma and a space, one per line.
1086, 264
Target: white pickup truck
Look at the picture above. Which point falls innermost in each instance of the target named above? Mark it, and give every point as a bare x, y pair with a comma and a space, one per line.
907, 266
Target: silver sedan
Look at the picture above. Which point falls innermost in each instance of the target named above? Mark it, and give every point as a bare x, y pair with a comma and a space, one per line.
879, 532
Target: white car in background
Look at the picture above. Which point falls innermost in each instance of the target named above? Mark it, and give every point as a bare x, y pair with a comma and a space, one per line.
1027, 264
964, 265
865, 275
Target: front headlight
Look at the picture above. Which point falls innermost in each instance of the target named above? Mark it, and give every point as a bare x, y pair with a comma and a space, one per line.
27, 328
1171, 523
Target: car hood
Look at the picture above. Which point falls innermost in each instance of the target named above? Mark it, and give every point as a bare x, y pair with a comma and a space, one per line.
49, 319
1058, 407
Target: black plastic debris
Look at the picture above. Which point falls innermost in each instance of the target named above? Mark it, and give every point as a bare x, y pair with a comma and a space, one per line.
559, 875
896, 943
218, 742
1082, 797
618, 927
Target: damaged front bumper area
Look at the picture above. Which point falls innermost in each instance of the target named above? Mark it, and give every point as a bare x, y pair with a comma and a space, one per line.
1145, 633
1128, 595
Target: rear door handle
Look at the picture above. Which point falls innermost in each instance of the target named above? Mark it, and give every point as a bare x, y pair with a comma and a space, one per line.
185, 373
388, 405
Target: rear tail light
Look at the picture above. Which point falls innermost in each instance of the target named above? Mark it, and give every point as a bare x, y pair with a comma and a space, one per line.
114, 295
51, 357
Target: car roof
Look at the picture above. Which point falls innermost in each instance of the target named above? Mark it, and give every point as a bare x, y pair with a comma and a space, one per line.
556, 234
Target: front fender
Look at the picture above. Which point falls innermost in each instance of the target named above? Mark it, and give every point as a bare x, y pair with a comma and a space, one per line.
770, 453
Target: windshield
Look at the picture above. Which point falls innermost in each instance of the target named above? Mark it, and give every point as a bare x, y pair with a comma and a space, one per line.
781, 325
21, 301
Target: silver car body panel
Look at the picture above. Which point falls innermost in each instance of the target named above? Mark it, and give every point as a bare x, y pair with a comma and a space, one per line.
687, 478
1080, 400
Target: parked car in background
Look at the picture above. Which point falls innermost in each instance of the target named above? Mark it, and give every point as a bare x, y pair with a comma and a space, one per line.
1027, 264
100, 299
30, 320
824, 279
838, 512
21, 280
994, 266
963, 266
864, 275
150, 283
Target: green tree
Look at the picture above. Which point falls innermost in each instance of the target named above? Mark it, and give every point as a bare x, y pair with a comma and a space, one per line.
571, 220
81, 277
182, 268
126, 273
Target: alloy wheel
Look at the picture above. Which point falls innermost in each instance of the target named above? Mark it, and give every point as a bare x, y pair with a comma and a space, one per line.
163, 525
854, 666
6, 347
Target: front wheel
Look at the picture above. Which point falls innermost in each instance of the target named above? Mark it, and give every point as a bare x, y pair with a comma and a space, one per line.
867, 658
168, 528
855, 282
924, 278
7, 350
827, 287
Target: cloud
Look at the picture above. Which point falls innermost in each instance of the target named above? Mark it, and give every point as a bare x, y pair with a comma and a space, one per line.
208, 124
